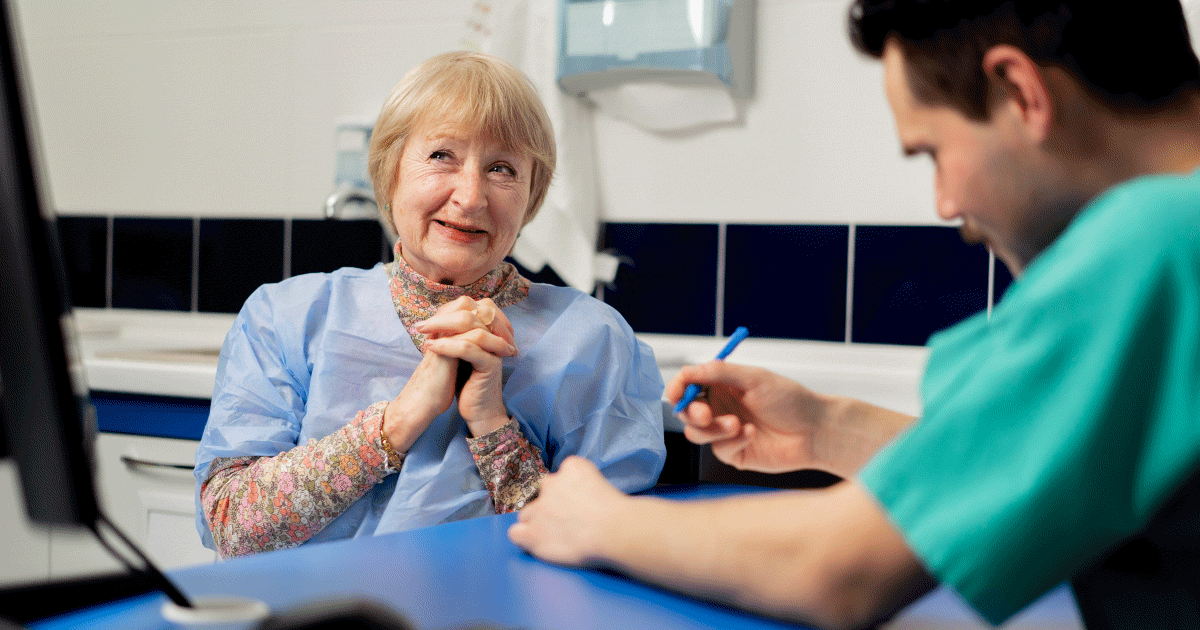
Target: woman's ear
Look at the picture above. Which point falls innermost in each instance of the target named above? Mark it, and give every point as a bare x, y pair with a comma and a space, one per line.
1022, 83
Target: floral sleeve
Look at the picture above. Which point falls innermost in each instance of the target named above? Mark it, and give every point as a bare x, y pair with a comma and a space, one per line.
255, 504
509, 465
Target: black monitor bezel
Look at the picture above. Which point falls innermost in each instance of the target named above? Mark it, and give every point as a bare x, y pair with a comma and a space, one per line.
49, 424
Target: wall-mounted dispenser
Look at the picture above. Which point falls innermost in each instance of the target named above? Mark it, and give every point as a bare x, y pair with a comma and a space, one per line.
661, 64
352, 197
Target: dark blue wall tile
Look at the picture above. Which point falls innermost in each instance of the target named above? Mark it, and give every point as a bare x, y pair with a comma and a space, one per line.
912, 281
1000, 285
236, 257
786, 280
323, 246
670, 285
152, 264
85, 250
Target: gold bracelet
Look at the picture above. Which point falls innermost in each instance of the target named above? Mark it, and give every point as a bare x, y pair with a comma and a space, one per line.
394, 458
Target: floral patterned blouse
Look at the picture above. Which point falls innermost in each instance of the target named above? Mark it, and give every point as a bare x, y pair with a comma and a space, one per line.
255, 504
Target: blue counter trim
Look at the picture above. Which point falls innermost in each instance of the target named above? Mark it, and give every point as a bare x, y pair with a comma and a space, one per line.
154, 416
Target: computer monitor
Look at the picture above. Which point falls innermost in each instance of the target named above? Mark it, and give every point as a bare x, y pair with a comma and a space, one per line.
49, 424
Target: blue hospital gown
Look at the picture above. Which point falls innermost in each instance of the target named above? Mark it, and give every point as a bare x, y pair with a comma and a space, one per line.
304, 356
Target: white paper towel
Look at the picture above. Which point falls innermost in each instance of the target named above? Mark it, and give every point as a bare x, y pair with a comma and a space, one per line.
657, 106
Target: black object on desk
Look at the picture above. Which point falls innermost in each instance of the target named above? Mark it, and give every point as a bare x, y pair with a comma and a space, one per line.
22, 604
351, 614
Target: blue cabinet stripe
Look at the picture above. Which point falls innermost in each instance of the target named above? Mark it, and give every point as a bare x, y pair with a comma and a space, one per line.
155, 416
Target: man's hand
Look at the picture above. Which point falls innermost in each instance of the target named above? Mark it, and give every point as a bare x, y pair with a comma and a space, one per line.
757, 420
575, 509
754, 419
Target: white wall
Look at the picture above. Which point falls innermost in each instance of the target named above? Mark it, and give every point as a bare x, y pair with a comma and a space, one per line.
214, 107
226, 108
816, 144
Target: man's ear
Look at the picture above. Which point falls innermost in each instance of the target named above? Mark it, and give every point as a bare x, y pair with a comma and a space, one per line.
1024, 86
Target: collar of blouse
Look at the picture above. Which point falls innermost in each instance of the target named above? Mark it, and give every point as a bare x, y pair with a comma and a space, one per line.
417, 298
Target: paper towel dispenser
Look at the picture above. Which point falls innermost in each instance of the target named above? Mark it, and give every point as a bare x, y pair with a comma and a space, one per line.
687, 42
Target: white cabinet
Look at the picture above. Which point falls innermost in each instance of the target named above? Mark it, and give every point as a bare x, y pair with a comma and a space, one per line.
146, 488
153, 505
170, 521
149, 491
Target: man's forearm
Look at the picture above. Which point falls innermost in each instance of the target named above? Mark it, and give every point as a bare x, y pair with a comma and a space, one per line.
827, 557
854, 431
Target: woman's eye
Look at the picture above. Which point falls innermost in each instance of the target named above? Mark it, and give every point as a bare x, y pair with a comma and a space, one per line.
439, 155
504, 169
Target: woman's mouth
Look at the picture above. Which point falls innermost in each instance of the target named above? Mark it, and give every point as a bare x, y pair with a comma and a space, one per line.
460, 232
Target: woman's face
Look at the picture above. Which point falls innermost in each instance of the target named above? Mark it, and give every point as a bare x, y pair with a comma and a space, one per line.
459, 202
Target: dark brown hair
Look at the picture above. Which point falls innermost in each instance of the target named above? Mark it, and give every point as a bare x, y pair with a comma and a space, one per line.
1133, 56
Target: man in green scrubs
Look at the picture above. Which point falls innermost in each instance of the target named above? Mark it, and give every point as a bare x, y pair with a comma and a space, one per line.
1059, 439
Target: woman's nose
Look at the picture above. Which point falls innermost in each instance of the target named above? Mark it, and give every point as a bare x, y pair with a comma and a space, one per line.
470, 192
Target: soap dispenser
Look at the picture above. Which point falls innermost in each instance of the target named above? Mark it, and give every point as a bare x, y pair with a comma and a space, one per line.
353, 197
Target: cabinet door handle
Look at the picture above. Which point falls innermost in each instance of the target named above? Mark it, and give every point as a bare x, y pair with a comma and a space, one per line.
143, 463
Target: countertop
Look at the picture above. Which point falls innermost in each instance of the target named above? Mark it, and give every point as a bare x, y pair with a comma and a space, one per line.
175, 354
150, 352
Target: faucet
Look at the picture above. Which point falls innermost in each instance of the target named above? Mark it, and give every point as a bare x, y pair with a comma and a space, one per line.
356, 197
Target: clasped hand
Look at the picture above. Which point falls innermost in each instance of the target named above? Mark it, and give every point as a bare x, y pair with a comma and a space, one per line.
475, 332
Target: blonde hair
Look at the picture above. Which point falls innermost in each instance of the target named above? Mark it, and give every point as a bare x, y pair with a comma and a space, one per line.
482, 92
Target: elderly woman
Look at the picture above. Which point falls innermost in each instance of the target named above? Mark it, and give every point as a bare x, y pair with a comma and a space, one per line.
443, 385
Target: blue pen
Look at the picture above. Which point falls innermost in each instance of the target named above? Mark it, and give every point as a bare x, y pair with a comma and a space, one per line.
693, 390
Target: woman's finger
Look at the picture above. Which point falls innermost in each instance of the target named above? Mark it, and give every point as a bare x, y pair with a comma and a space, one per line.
453, 322
461, 321
481, 350
486, 315
495, 318
488, 341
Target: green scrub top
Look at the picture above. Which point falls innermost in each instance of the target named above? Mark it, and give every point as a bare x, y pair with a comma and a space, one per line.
1058, 430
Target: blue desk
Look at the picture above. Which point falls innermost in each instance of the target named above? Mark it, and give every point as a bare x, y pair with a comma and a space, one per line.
448, 576
438, 577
